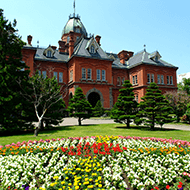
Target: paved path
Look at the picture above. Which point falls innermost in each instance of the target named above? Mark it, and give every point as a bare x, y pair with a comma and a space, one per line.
74, 121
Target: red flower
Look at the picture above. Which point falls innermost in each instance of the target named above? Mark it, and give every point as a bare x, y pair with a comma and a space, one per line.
157, 188
95, 151
179, 186
180, 183
167, 186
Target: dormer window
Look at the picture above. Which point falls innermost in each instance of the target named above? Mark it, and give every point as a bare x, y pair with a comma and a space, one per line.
68, 38
92, 49
49, 53
77, 30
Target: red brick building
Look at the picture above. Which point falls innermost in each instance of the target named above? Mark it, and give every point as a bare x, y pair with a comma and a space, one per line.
80, 61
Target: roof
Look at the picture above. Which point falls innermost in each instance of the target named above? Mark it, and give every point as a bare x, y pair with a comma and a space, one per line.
142, 57
73, 23
57, 57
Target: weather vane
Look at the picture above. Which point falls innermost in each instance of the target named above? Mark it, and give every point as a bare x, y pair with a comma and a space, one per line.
74, 7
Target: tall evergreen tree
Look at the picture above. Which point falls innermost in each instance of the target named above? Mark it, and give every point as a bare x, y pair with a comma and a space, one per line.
98, 110
154, 107
11, 68
79, 107
124, 109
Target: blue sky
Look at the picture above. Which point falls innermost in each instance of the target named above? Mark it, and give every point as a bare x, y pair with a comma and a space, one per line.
163, 25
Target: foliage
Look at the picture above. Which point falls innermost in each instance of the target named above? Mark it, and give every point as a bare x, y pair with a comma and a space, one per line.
178, 101
124, 109
184, 85
45, 99
79, 107
154, 107
186, 116
11, 68
98, 110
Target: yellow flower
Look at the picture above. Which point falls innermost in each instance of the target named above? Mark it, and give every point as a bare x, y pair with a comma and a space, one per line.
100, 185
63, 182
55, 177
90, 186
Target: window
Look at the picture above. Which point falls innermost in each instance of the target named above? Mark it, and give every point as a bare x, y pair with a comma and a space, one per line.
168, 80
39, 72
89, 71
92, 49
118, 81
71, 75
122, 82
77, 30
49, 54
103, 75
44, 74
152, 77
55, 75
77, 38
148, 78
83, 73
60, 77
137, 98
98, 74
135, 81
162, 79
68, 38
171, 79
158, 79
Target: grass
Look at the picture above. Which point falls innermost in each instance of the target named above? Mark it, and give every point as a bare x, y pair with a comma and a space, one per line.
99, 129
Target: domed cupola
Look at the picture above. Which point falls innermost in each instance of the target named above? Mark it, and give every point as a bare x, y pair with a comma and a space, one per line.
74, 24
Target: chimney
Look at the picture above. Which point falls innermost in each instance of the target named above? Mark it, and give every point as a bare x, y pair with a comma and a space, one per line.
71, 43
125, 55
29, 39
98, 39
54, 47
61, 46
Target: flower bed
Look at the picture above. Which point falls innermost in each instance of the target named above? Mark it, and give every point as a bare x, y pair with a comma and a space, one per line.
114, 162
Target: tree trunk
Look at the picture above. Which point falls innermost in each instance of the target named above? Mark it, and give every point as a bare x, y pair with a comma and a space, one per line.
36, 131
79, 121
128, 123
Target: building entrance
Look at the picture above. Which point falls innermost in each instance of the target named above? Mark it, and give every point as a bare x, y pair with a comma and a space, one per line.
93, 97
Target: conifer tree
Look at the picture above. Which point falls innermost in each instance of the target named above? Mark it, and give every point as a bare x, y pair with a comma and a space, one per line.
124, 109
79, 107
98, 110
11, 68
154, 107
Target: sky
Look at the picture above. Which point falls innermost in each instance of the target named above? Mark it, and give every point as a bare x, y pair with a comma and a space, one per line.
162, 25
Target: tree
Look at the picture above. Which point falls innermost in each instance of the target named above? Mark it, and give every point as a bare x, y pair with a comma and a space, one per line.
178, 101
154, 107
98, 110
44, 94
124, 109
11, 68
184, 85
186, 116
79, 107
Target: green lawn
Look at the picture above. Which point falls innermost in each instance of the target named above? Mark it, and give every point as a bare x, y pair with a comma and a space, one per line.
93, 130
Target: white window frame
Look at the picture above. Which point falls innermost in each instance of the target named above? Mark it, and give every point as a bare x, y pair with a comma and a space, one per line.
152, 77
171, 80
60, 76
83, 73
162, 79
148, 78
136, 80
133, 79
103, 75
55, 74
49, 53
92, 49
89, 74
44, 74
168, 80
98, 77
71, 75
158, 79
122, 81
